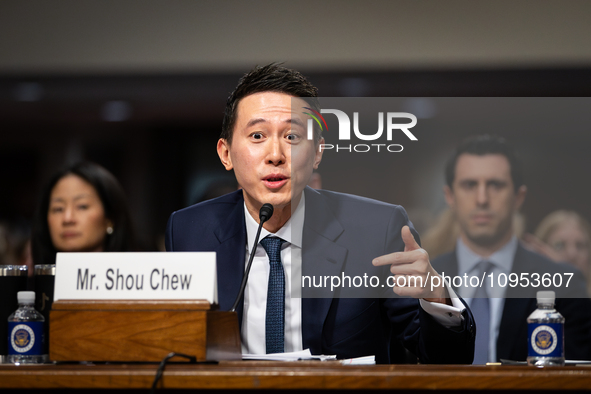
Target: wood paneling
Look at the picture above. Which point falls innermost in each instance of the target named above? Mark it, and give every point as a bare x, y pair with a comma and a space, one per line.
141, 331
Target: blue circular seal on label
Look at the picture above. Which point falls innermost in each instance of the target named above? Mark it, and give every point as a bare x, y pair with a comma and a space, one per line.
25, 338
22, 338
546, 340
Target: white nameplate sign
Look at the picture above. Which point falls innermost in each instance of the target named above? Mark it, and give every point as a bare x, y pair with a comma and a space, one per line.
136, 276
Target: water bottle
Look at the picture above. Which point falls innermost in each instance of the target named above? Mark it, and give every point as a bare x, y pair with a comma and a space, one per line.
545, 327
25, 332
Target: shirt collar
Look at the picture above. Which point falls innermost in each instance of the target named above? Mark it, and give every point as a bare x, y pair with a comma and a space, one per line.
290, 232
501, 259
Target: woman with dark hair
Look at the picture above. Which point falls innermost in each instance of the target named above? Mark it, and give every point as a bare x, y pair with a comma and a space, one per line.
82, 209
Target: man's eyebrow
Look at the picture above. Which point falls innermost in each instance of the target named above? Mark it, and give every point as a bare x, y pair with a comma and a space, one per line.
295, 121
487, 181
253, 122
256, 121
498, 181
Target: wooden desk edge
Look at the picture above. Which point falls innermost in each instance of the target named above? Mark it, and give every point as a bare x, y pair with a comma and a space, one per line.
309, 375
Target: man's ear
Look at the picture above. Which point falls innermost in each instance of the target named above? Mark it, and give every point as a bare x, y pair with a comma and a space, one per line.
224, 153
318, 154
520, 196
449, 196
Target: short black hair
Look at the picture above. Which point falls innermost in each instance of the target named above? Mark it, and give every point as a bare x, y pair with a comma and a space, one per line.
270, 78
486, 144
114, 203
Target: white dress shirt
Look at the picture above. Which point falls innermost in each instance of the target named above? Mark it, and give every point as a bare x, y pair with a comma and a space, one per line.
255, 295
502, 262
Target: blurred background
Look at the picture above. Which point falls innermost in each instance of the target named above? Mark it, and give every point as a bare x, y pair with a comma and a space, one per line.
140, 87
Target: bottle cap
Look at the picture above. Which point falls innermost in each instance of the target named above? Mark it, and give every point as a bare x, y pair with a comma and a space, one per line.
26, 297
546, 297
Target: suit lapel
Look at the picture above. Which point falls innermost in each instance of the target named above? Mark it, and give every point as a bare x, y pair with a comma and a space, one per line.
320, 256
231, 257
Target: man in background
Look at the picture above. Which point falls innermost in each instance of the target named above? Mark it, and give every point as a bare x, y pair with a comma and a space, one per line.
484, 189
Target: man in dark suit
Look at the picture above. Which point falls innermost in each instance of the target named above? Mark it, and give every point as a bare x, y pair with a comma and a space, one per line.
484, 190
312, 234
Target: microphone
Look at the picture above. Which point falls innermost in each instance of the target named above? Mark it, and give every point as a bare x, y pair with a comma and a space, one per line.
265, 214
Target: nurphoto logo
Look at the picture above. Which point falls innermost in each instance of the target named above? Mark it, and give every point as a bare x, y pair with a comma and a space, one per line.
391, 119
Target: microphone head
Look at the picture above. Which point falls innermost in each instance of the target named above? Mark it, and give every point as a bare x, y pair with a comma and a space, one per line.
266, 212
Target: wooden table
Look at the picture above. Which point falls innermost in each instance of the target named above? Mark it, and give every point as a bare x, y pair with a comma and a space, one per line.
313, 375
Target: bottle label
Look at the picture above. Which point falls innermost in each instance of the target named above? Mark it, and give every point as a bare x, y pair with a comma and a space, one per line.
546, 340
25, 338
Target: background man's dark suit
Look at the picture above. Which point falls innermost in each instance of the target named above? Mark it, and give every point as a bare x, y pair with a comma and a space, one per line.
339, 230
512, 340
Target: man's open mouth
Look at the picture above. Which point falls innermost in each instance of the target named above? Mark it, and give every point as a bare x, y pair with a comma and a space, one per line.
275, 181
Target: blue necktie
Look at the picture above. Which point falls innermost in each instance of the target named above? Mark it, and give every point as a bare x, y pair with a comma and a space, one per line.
481, 311
275, 316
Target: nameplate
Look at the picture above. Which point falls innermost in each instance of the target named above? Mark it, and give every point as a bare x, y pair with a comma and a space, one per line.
136, 276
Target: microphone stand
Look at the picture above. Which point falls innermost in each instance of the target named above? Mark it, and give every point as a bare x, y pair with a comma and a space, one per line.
265, 214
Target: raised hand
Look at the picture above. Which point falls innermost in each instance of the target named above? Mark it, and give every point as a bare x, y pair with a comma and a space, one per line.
413, 273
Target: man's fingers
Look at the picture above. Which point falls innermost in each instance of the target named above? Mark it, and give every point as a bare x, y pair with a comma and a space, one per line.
412, 252
406, 269
398, 258
409, 240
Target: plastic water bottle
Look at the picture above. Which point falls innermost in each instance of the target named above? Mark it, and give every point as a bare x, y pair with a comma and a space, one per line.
545, 327
25, 332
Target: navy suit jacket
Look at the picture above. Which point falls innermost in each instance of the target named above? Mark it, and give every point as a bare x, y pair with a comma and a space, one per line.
520, 303
339, 232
